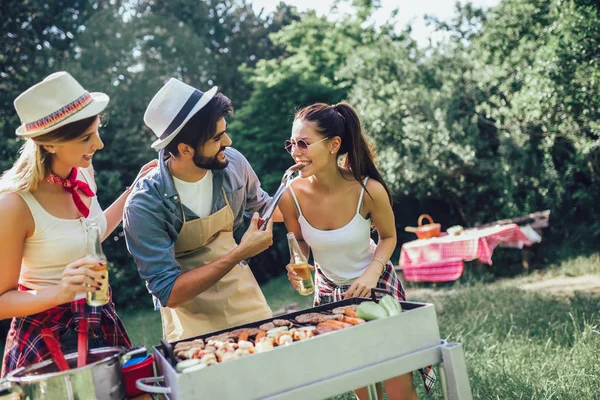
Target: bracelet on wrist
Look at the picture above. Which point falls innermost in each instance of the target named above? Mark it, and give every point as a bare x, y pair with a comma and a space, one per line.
380, 262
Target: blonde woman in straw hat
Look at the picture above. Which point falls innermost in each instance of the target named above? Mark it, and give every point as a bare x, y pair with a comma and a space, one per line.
47, 201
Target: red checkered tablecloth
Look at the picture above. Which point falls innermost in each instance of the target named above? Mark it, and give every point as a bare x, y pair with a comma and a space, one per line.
475, 244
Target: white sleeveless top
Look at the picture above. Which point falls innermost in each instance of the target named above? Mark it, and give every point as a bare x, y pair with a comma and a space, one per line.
55, 242
342, 254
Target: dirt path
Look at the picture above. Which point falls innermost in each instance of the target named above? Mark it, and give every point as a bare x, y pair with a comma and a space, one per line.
566, 285
559, 286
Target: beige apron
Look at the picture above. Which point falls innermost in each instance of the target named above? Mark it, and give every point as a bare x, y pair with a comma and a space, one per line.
234, 300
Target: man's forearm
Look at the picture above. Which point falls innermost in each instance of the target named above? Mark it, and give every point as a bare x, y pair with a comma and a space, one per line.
190, 284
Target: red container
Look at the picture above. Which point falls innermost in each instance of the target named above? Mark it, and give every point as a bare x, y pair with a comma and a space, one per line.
132, 373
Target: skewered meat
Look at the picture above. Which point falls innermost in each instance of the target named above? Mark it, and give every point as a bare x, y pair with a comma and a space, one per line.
302, 334
243, 352
276, 331
245, 345
284, 338
209, 358
192, 352
229, 355
264, 344
314, 318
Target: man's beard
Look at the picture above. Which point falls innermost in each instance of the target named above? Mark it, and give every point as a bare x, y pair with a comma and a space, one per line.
210, 162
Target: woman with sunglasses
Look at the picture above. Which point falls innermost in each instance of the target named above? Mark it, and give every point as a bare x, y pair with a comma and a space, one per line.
47, 202
332, 208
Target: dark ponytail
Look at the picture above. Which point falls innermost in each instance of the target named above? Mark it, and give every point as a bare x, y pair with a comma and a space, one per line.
341, 120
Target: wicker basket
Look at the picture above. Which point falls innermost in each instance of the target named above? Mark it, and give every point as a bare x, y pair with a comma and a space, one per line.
425, 231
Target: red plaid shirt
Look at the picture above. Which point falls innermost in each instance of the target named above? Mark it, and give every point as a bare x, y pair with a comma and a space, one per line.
25, 346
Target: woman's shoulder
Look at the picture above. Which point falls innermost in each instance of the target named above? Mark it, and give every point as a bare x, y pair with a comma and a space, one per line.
377, 193
15, 211
300, 185
12, 202
375, 185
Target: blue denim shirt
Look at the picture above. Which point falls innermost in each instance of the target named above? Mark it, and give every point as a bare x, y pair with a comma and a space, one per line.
152, 218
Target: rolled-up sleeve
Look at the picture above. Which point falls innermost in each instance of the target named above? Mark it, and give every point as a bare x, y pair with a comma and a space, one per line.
256, 198
149, 238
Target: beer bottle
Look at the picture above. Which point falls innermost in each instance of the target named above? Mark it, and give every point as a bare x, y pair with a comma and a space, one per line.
300, 265
94, 248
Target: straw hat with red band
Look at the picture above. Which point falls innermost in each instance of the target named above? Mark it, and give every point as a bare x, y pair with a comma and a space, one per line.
172, 107
56, 101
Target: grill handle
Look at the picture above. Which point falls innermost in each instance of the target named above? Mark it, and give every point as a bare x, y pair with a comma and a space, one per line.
168, 352
143, 384
375, 291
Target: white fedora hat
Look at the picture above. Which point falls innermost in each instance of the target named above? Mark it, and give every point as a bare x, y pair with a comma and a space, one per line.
56, 101
172, 107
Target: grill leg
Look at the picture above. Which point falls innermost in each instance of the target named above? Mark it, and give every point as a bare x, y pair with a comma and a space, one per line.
372, 391
443, 381
455, 373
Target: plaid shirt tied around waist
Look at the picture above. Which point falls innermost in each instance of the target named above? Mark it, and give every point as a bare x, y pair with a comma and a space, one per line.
327, 291
25, 345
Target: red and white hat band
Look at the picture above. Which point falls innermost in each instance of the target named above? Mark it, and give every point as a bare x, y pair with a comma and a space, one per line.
60, 115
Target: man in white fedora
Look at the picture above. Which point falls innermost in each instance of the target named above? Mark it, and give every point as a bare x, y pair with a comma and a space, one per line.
179, 221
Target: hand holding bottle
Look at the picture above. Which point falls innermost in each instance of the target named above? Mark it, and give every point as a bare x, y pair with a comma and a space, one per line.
299, 267
77, 278
295, 278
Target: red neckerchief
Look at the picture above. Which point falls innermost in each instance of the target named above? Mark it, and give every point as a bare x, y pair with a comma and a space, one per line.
72, 185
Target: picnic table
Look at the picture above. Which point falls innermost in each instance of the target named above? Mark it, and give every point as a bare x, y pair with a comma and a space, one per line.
441, 259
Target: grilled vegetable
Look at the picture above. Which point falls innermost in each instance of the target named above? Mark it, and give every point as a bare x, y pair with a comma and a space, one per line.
370, 310
194, 368
181, 365
390, 304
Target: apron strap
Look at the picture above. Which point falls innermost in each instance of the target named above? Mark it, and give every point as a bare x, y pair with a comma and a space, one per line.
82, 341
54, 348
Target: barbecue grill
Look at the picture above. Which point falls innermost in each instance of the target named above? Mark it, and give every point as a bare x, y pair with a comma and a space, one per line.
324, 365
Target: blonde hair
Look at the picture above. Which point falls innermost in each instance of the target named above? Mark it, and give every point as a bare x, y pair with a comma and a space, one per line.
30, 168
34, 162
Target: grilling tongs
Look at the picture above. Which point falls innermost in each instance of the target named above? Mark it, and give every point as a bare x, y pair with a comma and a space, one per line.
288, 178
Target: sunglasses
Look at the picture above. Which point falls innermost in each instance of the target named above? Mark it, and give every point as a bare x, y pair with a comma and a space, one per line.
300, 144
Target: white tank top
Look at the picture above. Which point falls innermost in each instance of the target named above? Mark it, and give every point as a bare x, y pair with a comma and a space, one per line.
55, 242
342, 254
